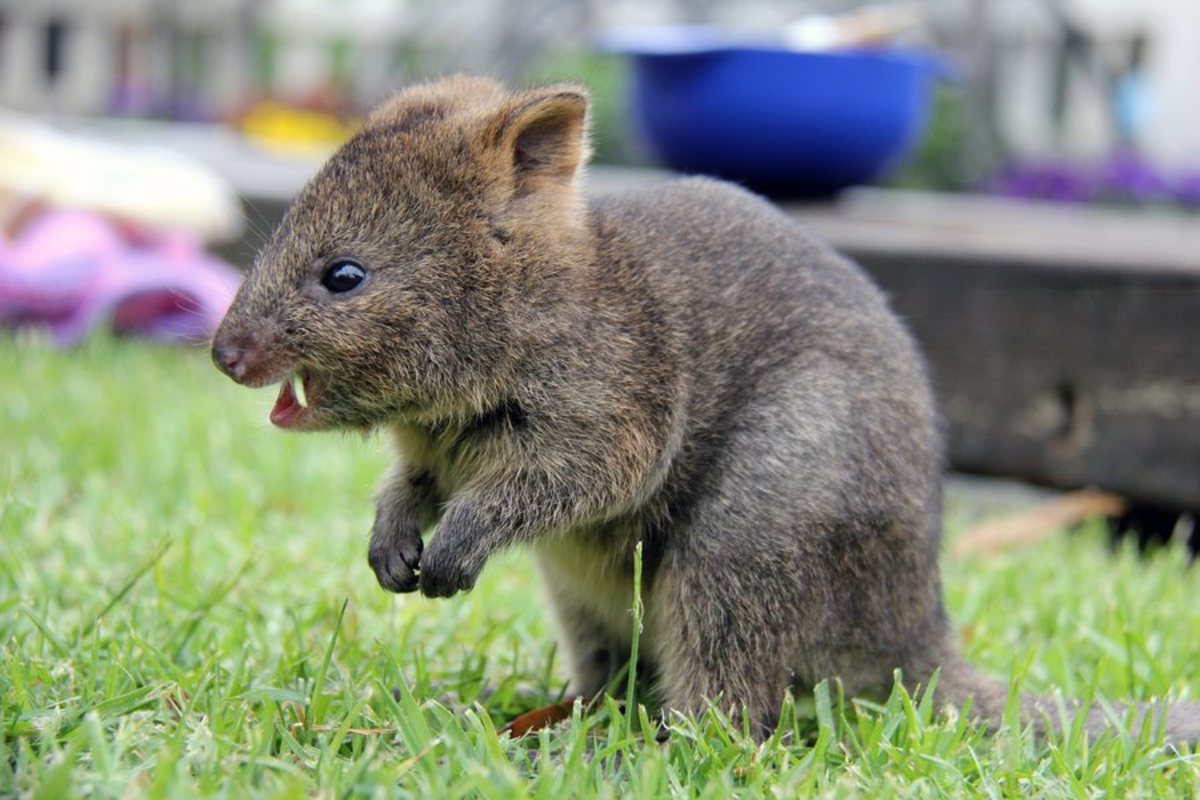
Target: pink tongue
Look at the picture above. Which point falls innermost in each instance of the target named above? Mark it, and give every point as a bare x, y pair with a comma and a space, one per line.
286, 408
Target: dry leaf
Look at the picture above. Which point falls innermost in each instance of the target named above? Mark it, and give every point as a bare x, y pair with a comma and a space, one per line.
540, 718
1039, 522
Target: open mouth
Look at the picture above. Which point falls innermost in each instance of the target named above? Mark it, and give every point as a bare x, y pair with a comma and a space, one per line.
294, 403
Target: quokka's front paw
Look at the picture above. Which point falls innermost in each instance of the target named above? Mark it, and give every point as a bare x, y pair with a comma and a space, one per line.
395, 555
454, 559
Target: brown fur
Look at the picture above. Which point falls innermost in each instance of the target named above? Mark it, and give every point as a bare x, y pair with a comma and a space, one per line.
681, 366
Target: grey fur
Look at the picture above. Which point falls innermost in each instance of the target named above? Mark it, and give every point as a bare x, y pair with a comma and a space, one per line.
681, 366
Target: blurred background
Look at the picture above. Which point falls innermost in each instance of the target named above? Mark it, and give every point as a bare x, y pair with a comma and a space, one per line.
1066, 84
1022, 176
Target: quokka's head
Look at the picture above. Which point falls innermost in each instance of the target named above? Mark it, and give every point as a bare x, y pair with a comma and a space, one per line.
398, 277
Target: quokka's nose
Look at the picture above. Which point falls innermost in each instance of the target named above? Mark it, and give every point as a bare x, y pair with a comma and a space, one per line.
230, 360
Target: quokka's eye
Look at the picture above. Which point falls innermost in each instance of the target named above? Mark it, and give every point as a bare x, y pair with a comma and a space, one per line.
342, 276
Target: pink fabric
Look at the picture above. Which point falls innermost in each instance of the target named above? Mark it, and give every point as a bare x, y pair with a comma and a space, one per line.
72, 271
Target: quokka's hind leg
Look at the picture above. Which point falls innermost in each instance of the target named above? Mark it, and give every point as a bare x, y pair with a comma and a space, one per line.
720, 638
786, 572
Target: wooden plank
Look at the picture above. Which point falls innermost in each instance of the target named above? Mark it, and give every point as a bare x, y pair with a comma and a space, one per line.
966, 227
1076, 368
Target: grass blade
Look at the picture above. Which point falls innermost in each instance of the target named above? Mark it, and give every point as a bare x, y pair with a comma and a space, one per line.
137, 575
318, 703
636, 611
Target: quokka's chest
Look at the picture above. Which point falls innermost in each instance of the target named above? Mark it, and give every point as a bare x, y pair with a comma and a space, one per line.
456, 451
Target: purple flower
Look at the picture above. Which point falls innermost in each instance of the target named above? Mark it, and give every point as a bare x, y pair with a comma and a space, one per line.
1187, 189
1126, 176
1045, 180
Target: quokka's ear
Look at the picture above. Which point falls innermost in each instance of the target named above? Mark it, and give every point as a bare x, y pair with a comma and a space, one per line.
543, 134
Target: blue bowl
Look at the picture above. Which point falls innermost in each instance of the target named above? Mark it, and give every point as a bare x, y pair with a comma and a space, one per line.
783, 122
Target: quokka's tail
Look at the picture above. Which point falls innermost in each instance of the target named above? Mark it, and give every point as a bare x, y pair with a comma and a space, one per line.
959, 681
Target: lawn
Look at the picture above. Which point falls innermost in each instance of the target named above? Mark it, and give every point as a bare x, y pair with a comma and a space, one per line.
186, 609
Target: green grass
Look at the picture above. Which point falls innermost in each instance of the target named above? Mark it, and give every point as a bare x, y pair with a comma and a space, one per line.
186, 609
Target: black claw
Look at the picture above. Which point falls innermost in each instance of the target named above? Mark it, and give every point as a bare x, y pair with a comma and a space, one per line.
451, 563
411, 554
438, 581
405, 583
391, 571
434, 588
395, 558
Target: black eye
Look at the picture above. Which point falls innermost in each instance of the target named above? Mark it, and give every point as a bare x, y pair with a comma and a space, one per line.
342, 276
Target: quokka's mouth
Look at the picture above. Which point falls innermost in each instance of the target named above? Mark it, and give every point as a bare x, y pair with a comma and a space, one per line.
294, 404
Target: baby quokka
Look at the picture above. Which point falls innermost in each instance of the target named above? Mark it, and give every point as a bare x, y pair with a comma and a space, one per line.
681, 366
